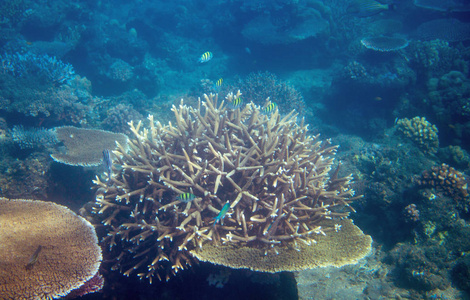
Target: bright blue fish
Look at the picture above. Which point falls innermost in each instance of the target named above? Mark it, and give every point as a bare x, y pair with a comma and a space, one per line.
205, 57
107, 162
186, 197
222, 212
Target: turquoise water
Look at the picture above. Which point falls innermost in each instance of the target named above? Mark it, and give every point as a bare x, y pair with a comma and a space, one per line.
357, 71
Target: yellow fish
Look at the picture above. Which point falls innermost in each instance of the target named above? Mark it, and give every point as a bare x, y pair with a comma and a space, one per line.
205, 57
236, 103
269, 107
186, 197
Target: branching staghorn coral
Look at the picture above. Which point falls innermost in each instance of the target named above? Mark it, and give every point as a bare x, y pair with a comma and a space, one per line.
274, 176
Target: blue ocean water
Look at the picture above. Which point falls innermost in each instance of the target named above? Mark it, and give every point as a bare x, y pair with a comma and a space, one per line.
387, 81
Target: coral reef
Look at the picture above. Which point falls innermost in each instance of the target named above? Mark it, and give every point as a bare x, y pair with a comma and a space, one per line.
420, 267
446, 179
448, 96
41, 67
121, 71
365, 78
92, 285
450, 30
455, 156
257, 87
412, 213
117, 118
256, 181
32, 98
84, 147
295, 22
47, 250
24, 178
33, 137
384, 44
345, 246
444, 6
435, 58
12, 11
421, 132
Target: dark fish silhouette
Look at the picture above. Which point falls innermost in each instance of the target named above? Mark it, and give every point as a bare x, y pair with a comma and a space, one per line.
107, 162
34, 258
367, 8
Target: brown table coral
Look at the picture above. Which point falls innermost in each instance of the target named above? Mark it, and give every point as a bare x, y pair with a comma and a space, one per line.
47, 250
84, 147
274, 176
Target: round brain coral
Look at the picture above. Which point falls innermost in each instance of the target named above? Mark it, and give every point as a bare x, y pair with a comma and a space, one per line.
220, 176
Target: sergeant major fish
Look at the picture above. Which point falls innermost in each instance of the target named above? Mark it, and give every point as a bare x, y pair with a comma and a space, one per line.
271, 106
218, 84
186, 197
205, 57
236, 103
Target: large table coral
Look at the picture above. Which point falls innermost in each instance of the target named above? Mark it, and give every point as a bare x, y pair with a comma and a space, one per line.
222, 175
47, 251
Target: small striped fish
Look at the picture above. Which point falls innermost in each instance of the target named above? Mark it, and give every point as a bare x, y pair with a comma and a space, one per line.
186, 197
236, 103
205, 57
270, 107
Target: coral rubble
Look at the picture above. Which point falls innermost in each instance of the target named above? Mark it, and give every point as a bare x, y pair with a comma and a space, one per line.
265, 171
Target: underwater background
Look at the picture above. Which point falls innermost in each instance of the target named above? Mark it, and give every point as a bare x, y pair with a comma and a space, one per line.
387, 81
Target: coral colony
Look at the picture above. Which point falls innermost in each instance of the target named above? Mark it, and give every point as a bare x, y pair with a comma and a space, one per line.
258, 180
40, 241
43, 66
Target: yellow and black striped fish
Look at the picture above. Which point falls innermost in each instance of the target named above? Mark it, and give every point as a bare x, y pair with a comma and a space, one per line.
186, 197
236, 103
271, 106
205, 57
217, 85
